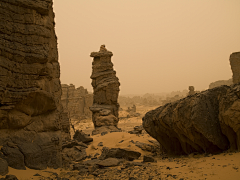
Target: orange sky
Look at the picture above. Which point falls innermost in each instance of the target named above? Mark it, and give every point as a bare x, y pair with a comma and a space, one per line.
158, 45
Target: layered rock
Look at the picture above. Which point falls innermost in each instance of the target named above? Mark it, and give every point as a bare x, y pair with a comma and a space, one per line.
235, 66
204, 122
30, 91
220, 83
76, 101
106, 89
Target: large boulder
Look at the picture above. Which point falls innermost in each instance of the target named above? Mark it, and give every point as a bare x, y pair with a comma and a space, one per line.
30, 90
206, 122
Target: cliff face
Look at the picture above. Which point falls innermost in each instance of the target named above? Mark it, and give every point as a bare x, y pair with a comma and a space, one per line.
30, 91
76, 101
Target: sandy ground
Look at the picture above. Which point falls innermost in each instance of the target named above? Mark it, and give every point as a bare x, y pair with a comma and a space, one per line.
223, 166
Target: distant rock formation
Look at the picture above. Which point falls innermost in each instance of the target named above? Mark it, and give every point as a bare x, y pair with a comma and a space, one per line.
206, 122
76, 101
220, 83
30, 90
235, 66
106, 88
191, 90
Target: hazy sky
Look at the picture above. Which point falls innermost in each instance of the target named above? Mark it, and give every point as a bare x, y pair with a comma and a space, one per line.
157, 45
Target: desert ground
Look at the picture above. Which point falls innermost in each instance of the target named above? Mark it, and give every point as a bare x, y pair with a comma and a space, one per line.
194, 166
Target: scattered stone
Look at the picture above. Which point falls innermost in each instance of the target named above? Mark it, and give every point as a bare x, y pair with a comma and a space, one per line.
100, 144
10, 177
121, 141
148, 159
3, 167
109, 162
137, 130
73, 143
105, 129
144, 146
119, 153
37, 174
82, 137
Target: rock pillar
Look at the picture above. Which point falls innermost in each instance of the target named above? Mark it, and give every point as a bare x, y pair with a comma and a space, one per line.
235, 66
191, 90
106, 89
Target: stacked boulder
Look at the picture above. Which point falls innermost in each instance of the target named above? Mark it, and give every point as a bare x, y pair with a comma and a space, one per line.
106, 89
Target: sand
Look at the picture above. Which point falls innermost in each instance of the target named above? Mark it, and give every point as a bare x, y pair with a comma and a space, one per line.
220, 167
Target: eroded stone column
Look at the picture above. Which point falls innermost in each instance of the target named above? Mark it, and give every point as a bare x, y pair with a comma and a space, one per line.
235, 66
106, 89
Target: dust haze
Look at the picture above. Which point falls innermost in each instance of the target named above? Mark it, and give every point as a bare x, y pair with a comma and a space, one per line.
158, 46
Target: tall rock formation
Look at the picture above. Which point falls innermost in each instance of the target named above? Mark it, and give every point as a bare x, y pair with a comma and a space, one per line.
106, 88
235, 66
76, 101
30, 91
191, 90
206, 122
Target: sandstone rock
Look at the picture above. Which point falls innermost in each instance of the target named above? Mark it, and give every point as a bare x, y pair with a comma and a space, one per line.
137, 130
10, 177
220, 83
82, 137
14, 157
109, 162
204, 122
73, 143
235, 66
148, 159
65, 121
191, 90
76, 101
119, 153
105, 129
106, 88
3, 167
30, 90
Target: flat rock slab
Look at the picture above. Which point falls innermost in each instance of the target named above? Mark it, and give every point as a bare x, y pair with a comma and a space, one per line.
109, 162
119, 153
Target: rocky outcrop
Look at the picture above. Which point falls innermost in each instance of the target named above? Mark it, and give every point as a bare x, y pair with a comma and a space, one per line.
220, 83
76, 101
191, 90
206, 122
235, 66
106, 88
30, 91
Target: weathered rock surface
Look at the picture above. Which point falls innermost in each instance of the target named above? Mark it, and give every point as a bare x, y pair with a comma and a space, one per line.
106, 88
3, 167
30, 91
76, 101
204, 122
119, 153
235, 66
220, 83
82, 137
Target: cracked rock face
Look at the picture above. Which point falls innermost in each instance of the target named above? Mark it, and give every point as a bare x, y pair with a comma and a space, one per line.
30, 91
206, 122
106, 89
